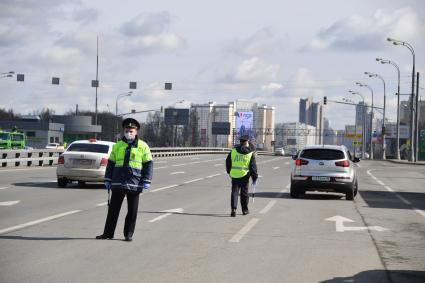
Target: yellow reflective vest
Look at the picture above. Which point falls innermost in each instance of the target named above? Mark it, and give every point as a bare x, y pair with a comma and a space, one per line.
240, 164
129, 166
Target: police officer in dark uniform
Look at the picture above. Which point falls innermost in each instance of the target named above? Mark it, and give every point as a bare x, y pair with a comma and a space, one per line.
241, 165
128, 173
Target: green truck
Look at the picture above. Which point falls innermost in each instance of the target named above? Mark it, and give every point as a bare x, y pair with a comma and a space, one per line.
12, 140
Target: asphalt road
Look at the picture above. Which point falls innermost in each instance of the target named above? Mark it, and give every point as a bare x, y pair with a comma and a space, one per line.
184, 232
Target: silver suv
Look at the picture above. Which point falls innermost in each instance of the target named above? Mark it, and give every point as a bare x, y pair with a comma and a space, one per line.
327, 168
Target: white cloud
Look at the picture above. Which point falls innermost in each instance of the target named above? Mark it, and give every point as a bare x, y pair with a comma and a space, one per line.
262, 42
147, 33
368, 33
272, 86
254, 70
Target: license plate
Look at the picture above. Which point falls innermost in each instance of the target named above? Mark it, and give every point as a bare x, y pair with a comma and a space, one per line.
321, 178
83, 162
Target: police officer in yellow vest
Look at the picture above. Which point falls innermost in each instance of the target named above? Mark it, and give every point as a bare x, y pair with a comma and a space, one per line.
241, 165
128, 173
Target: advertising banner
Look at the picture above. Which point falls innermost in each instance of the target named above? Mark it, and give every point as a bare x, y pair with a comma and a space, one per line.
244, 123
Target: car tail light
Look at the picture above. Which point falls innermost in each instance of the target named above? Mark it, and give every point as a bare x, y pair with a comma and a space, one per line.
61, 159
300, 162
104, 162
343, 163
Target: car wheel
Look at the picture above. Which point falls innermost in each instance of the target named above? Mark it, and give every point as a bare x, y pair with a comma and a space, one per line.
293, 191
62, 182
356, 189
350, 193
81, 183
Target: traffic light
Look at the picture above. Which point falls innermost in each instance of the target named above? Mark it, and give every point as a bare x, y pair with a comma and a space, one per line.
20, 77
325, 100
55, 81
168, 86
133, 85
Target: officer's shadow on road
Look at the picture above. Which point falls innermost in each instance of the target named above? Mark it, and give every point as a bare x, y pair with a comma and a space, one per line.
411, 276
53, 185
29, 238
308, 196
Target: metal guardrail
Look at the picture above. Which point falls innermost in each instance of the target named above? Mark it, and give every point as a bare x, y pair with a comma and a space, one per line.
49, 157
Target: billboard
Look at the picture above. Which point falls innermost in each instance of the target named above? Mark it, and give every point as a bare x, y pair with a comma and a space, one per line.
221, 128
244, 123
173, 116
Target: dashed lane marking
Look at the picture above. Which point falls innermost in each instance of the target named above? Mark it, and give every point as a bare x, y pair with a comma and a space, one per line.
194, 180
163, 188
239, 235
3, 188
214, 175
9, 203
35, 222
215, 165
163, 167
277, 167
178, 172
401, 198
102, 203
178, 165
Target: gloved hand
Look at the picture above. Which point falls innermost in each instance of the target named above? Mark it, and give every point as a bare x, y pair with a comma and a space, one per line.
146, 186
254, 183
108, 185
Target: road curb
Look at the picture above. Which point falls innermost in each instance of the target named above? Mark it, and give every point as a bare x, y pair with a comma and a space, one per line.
405, 162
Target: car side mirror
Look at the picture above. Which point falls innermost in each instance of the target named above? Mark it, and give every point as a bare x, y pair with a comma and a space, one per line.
356, 159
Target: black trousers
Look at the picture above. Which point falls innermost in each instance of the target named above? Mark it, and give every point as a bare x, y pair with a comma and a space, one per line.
114, 211
240, 185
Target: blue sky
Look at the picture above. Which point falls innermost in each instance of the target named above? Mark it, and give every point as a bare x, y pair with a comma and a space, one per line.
272, 52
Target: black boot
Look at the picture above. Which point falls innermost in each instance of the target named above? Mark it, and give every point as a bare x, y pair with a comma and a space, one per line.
245, 212
233, 213
103, 237
128, 239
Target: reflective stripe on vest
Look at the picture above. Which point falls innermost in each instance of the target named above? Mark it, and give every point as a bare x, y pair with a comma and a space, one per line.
240, 164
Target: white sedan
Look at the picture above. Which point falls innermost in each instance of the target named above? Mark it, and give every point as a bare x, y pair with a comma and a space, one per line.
83, 161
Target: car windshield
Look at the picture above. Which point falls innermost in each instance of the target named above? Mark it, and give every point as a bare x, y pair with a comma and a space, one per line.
88, 147
322, 154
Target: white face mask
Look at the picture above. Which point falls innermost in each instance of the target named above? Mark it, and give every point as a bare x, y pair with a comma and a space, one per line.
129, 136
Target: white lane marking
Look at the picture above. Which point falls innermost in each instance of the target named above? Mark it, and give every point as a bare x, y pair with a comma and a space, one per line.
160, 162
339, 225
35, 222
268, 207
4, 188
388, 188
286, 163
177, 172
160, 167
163, 188
239, 235
219, 164
358, 165
196, 162
194, 180
167, 213
270, 160
178, 165
102, 203
260, 176
9, 203
214, 175
195, 158
421, 212
277, 167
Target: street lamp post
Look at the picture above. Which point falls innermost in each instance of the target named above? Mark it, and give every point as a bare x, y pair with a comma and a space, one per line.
398, 102
363, 121
383, 130
412, 96
121, 95
371, 118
